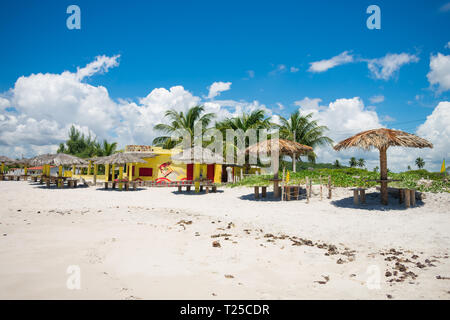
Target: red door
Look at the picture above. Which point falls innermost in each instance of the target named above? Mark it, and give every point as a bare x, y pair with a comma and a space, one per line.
210, 172
190, 171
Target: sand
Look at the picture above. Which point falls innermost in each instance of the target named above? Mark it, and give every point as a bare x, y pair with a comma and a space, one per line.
157, 244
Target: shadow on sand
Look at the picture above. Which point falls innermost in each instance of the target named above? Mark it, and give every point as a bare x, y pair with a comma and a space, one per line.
268, 198
43, 186
193, 193
373, 202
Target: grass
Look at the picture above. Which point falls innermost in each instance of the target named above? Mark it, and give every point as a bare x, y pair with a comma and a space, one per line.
354, 177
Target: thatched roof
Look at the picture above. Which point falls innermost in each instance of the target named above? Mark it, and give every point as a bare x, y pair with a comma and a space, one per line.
284, 147
383, 138
120, 158
198, 154
58, 159
6, 160
23, 161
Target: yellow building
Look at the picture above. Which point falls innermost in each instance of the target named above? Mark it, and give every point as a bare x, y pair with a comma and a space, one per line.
161, 168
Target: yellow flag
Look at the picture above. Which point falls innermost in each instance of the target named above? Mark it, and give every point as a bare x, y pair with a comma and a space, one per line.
443, 166
287, 177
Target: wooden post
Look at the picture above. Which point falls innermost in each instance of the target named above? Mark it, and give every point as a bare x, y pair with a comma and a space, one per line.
264, 191
307, 191
95, 173
106, 172
383, 176
362, 193
355, 197
296, 192
407, 198
256, 192
401, 196
321, 193
413, 197
310, 187
282, 186
329, 187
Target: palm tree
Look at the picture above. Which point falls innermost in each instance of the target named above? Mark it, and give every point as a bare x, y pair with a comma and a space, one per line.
256, 119
337, 164
181, 123
420, 163
409, 168
361, 163
108, 148
376, 169
353, 163
304, 130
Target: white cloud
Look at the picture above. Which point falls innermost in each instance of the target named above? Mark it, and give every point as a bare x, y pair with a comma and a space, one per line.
447, 46
279, 69
101, 65
445, 7
324, 65
439, 75
217, 87
377, 99
387, 66
436, 129
294, 69
44, 106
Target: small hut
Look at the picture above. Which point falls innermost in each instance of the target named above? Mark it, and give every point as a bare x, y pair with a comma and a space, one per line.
382, 139
120, 159
278, 147
5, 161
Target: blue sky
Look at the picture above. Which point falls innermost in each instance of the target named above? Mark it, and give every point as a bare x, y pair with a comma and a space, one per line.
264, 48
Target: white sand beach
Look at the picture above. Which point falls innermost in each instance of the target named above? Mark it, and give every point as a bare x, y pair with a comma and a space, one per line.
157, 244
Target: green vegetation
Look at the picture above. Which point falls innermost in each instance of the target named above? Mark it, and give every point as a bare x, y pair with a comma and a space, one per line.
354, 177
420, 163
85, 147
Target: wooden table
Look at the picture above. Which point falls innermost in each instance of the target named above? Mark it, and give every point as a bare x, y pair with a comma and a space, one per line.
263, 191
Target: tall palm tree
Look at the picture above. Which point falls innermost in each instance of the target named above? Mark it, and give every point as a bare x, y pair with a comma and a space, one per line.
108, 148
303, 129
420, 163
256, 119
353, 163
180, 123
361, 163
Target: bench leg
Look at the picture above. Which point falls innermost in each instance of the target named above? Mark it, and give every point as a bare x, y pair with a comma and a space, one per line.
206, 190
256, 192
214, 189
413, 197
188, 188
355, 197
407, 198
264, 192
179, 188
362, 193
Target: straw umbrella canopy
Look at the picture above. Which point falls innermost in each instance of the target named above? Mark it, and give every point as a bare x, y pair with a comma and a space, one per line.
382, 139
5, 160
58, 159
283, 147
198, 154
120, 159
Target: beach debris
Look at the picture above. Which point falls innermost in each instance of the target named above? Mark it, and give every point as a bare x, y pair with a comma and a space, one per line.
389, 296
221, 235
388, 274
229, 276
326, 278
216, 244
197, 234
213, 294
340, 261
230, 225
4, 234
19, 210
442, 278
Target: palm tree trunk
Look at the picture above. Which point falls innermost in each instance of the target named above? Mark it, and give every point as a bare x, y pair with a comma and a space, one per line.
383, 176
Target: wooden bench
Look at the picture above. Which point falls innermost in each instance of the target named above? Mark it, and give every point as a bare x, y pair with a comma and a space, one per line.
125, 184
263, 191
359, 195
72, 183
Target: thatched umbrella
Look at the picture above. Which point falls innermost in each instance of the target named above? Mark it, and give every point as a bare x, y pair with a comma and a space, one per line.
198, 154
280, 147
283, 147
121, 158
382, 139
5, 160
23, 162
56, 159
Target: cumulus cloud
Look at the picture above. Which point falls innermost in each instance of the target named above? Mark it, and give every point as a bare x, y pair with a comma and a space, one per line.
101, 64
439, 75
447, 45
436, 129
40, 108
324, 65
217, 87
445, 7
387, 66
377, 99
